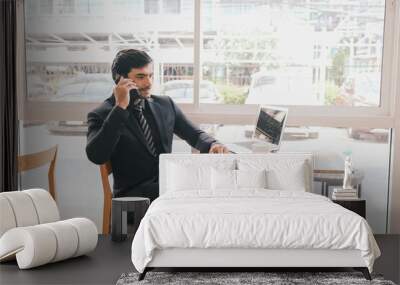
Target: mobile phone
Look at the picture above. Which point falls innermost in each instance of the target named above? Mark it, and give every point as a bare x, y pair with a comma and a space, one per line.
133, 93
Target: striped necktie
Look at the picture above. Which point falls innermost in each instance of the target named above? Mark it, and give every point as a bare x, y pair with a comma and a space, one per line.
145, 126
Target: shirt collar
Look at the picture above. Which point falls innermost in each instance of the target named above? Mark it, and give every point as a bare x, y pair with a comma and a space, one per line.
138, 103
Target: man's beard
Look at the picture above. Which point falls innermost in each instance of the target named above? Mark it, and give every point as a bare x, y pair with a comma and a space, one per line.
144, 91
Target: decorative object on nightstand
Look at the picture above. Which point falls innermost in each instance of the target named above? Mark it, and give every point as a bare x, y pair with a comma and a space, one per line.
347, 192
331, 177
120, 208
348, 172
344, 194
345, 178
358, 206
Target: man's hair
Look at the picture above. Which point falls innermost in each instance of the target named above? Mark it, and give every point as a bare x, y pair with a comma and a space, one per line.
127, 59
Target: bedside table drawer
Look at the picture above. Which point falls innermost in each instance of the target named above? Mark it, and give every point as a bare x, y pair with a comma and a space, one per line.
357, 206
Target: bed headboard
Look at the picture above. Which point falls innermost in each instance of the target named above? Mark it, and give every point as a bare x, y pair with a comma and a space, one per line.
210, 159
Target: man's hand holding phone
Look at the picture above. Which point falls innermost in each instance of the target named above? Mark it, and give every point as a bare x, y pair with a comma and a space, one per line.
121, 91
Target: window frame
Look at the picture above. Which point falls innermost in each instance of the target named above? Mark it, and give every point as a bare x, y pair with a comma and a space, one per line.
334, 116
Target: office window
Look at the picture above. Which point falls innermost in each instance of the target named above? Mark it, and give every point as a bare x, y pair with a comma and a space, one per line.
66, 7
151, 6
236, 55
267, 52
89, 7
68, 59
171, 6
45, 6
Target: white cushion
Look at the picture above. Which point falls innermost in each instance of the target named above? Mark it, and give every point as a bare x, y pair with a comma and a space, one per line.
67, 239
287, 178
87, 232
7, 220
183, 177
23, 208
251, 178
226, 180
27, 208
282, 174
41, 244
34, 244
189, 174
223, 179
45, 206
235, 161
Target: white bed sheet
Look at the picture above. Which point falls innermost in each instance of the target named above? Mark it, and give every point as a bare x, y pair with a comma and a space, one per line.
251, 218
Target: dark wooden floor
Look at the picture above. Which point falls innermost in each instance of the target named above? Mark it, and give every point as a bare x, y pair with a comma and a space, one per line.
110, 260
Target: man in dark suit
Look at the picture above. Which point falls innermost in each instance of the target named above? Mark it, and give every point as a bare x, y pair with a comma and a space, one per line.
132, 130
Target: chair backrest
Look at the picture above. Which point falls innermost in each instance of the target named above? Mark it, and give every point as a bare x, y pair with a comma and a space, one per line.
34, 160
26, 208
105, 171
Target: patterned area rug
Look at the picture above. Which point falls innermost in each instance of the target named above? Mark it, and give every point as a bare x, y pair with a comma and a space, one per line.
230, 278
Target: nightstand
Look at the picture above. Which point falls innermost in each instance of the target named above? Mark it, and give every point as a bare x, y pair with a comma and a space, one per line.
357, 206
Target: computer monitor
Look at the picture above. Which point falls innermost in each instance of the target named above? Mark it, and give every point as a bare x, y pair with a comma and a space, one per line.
270, 125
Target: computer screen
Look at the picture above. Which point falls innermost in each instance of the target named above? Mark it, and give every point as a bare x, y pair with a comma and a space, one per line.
270, 124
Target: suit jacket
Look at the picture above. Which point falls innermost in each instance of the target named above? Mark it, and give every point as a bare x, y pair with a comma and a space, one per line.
115, 135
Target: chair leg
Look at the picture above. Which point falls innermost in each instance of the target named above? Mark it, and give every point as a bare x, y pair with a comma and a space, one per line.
143, 274
365, 272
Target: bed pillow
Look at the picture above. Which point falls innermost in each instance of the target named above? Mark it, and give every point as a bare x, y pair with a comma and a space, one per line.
231, 180
182, 177
251, 178
223, 179
194, 172
281, 174
291, 178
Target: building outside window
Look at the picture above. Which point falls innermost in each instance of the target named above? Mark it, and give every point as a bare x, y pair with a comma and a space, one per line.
151, 6
304, 54
171, 6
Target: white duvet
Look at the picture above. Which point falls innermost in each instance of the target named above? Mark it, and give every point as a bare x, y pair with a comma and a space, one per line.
250, 219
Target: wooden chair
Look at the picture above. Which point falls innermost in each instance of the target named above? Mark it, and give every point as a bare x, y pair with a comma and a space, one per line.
34, 160
105, 171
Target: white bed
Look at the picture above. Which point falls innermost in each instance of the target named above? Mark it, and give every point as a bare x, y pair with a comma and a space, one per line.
197, 224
